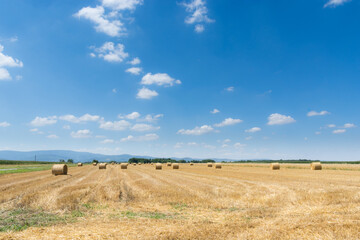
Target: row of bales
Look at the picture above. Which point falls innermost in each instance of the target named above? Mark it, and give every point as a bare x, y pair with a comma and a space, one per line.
62, 169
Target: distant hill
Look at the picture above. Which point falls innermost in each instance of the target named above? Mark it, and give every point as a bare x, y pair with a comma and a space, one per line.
56, 155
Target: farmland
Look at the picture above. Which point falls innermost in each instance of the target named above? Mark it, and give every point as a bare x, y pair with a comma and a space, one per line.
238, 201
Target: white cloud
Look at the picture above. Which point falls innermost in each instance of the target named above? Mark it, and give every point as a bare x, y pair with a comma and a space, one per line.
7, 61
192, 144
317, 133
150, 118
121, 4
335, 3
331, 125
52, 136
278, 119
214, 111
43, 121
349, 125
141, 127
230, 89
228, 122
252, 130
199, 28
36, 130
115, 126
239, 145
85, 133
338, 131
197, 130
198, 14
159, 79
179, 145
5, 124
103, 23
85, 118
135, 61
134, 70
248, 138
133, 115
105, 141
145, 93
147, 137
111, 52
114, 90
67, 127
4, 74
314, 113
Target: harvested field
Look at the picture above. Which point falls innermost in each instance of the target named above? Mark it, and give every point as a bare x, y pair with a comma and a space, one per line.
242, 201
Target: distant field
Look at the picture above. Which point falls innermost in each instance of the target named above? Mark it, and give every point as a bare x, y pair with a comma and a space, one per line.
239, 201
22, 168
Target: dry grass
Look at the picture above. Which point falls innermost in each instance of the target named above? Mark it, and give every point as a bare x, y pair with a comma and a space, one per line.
242, 201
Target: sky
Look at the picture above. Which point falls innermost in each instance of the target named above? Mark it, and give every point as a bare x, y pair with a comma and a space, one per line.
194, 78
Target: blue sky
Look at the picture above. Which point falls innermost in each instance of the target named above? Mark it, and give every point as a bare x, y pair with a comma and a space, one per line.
192, 78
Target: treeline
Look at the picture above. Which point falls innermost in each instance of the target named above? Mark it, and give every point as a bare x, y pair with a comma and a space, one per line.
305, 161
165, 160
12, 162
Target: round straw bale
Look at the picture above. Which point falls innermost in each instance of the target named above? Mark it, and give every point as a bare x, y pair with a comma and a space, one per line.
112, 163
175, 166
316, 166
139, 163
158, 166
124, 166
191, 164
217, 165
59, 169
134, 164
94, 164
102, 166
275, 166
80, 164
168, 164
209, 164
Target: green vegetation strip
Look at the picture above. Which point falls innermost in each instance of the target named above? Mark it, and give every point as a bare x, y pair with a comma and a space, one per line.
26, 168
21, 219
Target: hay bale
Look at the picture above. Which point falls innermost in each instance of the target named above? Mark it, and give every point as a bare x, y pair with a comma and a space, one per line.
139, 163
112, 163
191, 164
217, 165
59, 169
168, 164
158, 166
102, 166
275, 166
124, 166
316, 166
175, 166
209, 164
134, 164
80, 164
94, 164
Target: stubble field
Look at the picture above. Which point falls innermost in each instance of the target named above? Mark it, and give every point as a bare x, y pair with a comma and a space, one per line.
239, 201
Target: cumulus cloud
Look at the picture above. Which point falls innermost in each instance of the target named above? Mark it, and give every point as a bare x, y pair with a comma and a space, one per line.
7, 61
147, 137
349, 125
105, 141
5, 124
103, 23
228, 122
135, 61
115, 126
134, 70
239, 145
198, 14
214, 111
278, 119
314, 113
85, 118
52, 136
197, 130
335, 3
152, 118
230, 89
331, 125
339, 131
142, 127
85, 133
43, 121
252, 130
111, 52
133, 115
145, 93
159, 79
122, 4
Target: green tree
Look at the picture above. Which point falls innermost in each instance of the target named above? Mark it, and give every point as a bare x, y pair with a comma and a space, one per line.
70, 161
